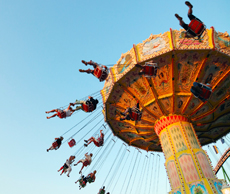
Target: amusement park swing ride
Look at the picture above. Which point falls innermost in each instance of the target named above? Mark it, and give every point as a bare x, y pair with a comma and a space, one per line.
159, 75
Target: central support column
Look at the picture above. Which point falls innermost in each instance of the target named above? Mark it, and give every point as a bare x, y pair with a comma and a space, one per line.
187, 164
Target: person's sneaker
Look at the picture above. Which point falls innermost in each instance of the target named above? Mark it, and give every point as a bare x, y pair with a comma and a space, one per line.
81, 70
178, 17
85, 145
86, 141
188, 4
47, 150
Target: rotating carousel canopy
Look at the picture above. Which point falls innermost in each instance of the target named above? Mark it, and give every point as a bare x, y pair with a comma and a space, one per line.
180, 63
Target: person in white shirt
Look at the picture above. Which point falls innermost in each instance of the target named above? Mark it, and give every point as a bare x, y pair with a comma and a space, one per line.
85, 162
67, 166
62, 113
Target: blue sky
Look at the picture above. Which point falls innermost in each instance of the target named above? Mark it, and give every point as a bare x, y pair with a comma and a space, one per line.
42, 44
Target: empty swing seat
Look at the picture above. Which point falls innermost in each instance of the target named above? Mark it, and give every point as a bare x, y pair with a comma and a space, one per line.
150, 69
205, 93
197, 27
72, 143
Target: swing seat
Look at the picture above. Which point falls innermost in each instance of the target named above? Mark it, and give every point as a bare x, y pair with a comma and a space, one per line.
205, 93
87, 107
61, 114
136, 114
86, 163
82, 183
100, 73
100, 141
150, 69
197, 27
55, 144
72, 143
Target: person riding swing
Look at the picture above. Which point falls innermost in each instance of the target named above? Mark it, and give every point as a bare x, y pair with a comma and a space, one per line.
195, 28
62, 113
67, 166
149, 69
201, 91
85, 162
100, 72
133, 113
90, 178
88, 105
102, 190
97, 142
56, 144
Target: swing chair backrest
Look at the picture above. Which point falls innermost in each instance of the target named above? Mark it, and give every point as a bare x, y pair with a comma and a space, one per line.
150, 69
100, 73
72, 143
87, 107
205, 93
197, 27
136, 114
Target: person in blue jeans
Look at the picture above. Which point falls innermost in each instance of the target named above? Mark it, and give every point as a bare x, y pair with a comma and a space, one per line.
190, 33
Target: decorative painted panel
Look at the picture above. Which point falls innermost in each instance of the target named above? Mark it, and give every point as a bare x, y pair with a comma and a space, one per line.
173, 175
205, 166
188, 168
177, 138
191, 136
166, 145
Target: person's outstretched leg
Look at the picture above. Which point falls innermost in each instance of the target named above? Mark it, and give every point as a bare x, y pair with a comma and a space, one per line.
81, 169
190, 7
54, 115
51, 148
78, 108
54, 110
60, 169
89, 141
86, 71
77, 163
69, 170
95, 65
181, 22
